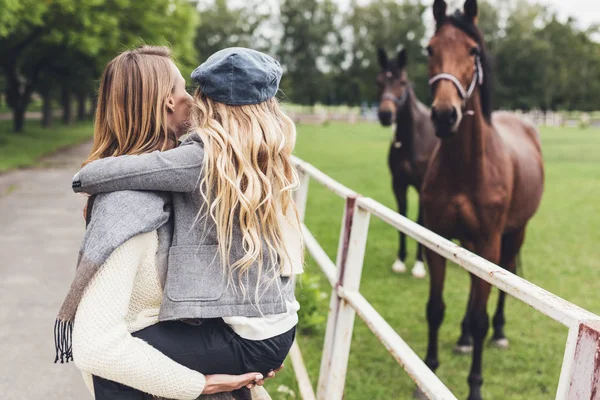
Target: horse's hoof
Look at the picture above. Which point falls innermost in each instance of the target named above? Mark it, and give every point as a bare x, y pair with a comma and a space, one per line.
501, 343
463, 349
399, 267
418, 270
419, 395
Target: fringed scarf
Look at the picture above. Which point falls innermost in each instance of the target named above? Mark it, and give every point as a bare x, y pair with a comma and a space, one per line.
116, 217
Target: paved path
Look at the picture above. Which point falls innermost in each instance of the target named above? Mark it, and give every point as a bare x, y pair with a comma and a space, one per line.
41, 227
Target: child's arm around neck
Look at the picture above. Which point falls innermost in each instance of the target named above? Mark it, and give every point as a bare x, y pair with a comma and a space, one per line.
176, 170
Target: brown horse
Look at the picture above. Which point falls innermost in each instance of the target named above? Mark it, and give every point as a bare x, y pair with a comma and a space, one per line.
413, 143
484, 181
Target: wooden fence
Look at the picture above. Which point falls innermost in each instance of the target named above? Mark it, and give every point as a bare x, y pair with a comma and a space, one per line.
580, 374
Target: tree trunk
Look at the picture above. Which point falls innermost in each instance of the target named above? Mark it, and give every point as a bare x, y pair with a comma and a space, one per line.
19, 118
67, 117
18, 93
94, 105
47, 109
81, 111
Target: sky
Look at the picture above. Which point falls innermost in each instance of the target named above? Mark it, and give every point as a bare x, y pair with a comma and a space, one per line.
586, 12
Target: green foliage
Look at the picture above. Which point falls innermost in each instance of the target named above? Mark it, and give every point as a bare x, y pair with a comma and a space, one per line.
328, 51
307, 29
222, 25
392, 26
313, 298
66, 43
542, 62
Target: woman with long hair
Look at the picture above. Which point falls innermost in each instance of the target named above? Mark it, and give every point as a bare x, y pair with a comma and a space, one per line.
142, 107
228, 305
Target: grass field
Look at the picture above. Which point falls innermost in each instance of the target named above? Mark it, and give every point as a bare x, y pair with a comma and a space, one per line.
561, 254
25, 148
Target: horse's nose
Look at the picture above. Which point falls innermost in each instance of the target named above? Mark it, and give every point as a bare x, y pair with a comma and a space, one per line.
444, 116
444, 119
385, 117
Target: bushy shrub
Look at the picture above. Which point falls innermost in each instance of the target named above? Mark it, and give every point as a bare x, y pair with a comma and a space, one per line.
314, 304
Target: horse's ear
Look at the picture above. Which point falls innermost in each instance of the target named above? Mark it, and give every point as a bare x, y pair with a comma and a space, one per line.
402, 59
383, 58
471, 10
439, 11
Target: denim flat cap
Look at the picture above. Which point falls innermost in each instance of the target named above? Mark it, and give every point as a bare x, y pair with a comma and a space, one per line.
238, 76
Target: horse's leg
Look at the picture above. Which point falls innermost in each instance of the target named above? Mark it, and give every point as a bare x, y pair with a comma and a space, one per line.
418, 270
435, 308
435, 305
400, 188
464, 345
478, 317
511, 244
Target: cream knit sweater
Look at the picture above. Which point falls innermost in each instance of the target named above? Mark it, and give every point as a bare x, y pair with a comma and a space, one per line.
125, 297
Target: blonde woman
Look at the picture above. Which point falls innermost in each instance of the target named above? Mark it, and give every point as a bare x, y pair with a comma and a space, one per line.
228, 304
117, 292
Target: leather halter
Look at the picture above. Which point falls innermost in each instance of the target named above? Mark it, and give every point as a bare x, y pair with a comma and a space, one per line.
464, 94
398, 102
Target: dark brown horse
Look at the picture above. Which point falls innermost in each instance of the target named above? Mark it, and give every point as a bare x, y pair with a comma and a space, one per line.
413, 143
484, 181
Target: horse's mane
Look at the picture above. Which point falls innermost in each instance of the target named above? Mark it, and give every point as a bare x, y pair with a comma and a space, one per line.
459, 20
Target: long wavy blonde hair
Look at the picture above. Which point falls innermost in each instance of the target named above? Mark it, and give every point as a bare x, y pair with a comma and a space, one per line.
248, 177
131, 115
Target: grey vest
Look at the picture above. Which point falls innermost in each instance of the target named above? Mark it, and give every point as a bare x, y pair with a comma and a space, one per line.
196, 283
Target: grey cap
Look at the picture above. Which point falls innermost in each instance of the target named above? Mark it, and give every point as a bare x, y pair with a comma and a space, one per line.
238, 76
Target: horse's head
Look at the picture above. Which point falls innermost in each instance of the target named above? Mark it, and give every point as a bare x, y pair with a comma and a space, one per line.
392, 84
458, 67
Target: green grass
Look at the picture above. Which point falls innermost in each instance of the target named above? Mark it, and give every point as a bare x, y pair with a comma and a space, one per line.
26, 148
35, 105
561, 254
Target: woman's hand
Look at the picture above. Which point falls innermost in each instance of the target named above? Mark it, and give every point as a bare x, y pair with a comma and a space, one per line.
269, 376
228, 383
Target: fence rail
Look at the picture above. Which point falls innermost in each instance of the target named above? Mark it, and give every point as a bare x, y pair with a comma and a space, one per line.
580, 373
322, 114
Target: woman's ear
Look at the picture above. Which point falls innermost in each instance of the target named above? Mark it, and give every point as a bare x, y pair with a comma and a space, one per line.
170, 105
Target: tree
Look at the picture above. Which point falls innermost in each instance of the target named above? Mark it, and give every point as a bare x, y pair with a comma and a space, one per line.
308, 27
222, 26
67, 37
521, 59
15, 39
392, 26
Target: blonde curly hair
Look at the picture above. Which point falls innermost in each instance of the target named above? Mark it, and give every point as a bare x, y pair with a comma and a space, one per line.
248, 176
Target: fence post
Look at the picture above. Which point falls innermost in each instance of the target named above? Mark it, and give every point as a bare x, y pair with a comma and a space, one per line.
334, 301
580, 374
338, 340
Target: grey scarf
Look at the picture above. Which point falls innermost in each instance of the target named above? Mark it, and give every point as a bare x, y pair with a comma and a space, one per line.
113, 219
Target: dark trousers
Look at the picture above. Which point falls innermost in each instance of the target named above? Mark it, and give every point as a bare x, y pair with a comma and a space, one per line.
211, 347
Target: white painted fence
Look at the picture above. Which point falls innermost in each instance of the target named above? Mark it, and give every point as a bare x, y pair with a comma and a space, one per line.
580, 374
